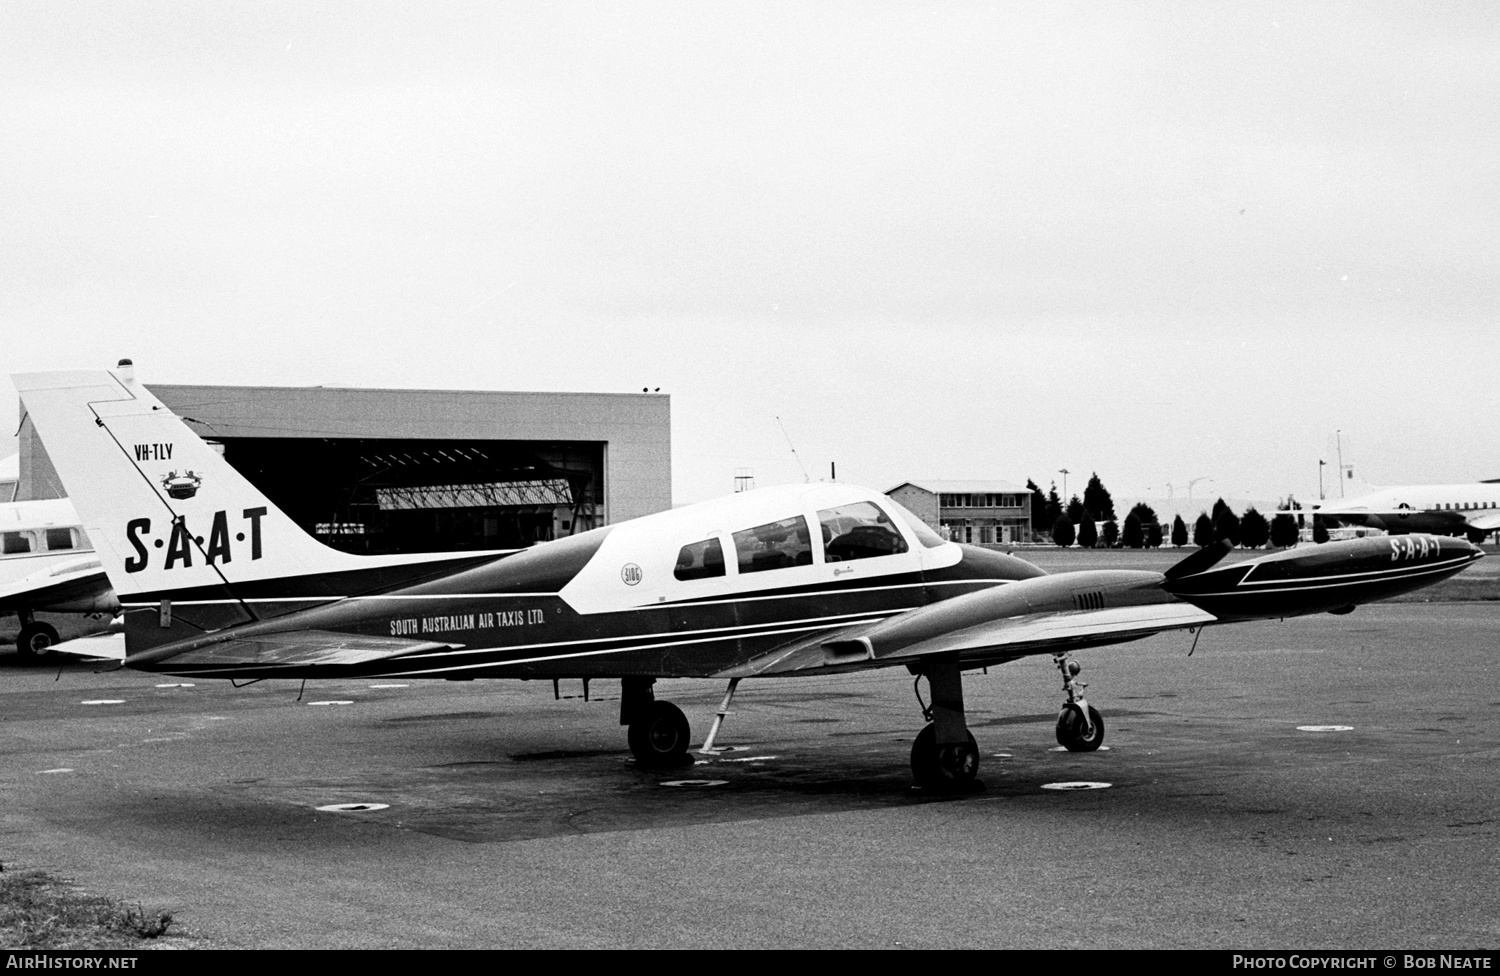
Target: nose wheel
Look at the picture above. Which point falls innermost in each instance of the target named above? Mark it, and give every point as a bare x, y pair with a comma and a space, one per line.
1080, 731
1080, 728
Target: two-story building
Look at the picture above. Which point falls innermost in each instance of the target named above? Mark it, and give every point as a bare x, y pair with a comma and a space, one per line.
970, 511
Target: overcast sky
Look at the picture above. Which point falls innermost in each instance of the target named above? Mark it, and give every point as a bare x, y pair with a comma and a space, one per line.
1159, 241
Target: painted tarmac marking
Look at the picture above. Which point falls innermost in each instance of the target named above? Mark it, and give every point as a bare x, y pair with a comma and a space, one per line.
695, 782
749, 759
353, 807
64, 769
183, 684
390, 686
332, 702
1065, 749
104, 701
1002, 755
1325, 728
1077, 785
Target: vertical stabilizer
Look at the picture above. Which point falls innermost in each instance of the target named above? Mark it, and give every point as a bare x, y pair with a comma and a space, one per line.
165, 512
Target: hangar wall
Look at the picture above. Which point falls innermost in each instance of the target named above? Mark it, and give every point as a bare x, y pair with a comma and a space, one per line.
630, 433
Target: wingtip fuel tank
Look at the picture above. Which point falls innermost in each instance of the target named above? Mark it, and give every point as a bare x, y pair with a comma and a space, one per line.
1328, 578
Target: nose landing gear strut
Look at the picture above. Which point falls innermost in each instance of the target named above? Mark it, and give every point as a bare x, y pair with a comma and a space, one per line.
1079, 725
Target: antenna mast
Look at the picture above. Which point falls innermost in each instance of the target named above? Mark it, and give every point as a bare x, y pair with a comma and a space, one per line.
789, 443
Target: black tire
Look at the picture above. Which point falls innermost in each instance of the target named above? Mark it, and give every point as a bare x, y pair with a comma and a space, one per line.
660, 737
35, 639
943, 768
1071, 732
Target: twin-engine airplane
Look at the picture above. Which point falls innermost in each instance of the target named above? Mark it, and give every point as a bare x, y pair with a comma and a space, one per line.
799, 580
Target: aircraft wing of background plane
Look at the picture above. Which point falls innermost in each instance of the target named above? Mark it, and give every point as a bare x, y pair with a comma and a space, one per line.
1485, 523
80, 586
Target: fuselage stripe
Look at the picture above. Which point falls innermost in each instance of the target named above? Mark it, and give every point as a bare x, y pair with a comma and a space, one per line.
738, 632
729, 599
1326, 582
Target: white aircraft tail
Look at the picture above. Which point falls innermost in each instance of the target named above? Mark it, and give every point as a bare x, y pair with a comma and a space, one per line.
164, 511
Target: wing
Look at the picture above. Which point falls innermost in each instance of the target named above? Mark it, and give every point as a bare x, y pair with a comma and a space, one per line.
1488, 522
910, 636
79, 586
287, 651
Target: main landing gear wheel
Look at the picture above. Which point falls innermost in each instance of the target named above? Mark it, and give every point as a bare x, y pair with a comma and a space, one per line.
35, 639
659, 738
1074, 734
947, 768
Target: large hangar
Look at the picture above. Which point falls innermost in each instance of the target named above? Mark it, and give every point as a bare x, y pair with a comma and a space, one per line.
379, 470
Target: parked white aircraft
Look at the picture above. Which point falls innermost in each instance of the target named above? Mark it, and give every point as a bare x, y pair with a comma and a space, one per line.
1473, 509
48, 566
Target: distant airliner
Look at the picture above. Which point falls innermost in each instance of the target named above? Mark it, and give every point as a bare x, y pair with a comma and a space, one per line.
1473, 509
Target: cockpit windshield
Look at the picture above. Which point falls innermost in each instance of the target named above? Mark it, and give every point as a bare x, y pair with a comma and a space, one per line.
925, 535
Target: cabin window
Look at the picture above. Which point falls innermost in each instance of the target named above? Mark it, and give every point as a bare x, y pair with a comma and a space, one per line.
775, 545
700, 560
858, 531
59, 539
16, 542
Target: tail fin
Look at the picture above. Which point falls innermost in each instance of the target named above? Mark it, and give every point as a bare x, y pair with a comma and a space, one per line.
165, 512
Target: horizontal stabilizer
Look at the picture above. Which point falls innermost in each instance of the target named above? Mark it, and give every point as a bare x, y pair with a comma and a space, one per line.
110, 647
294, 648
1201, 560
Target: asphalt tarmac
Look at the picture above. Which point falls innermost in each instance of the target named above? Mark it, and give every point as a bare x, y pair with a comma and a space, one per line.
513, 820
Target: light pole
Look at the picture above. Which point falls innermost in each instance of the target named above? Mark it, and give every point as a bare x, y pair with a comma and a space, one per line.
1064, 473
1321, 465
1339, 438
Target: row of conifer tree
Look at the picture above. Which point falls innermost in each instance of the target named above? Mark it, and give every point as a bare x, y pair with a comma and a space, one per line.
1077, 522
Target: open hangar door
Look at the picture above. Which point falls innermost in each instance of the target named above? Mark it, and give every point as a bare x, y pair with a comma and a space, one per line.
375, 496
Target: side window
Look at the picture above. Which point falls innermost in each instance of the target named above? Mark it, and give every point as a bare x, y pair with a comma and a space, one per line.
59, 539
15, 542
775, 545
858, 531
700, 560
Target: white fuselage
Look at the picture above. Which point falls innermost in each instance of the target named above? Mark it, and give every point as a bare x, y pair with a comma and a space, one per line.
1421, 508
39, 536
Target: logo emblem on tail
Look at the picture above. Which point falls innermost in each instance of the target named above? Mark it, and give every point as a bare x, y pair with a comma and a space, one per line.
183, 485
